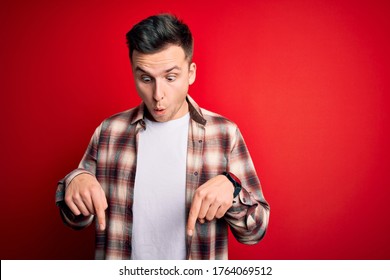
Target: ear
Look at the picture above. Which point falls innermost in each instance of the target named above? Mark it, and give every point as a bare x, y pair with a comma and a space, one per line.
192, 73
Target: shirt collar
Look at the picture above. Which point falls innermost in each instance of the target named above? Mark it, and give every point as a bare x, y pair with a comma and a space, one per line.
195, 111
193, 107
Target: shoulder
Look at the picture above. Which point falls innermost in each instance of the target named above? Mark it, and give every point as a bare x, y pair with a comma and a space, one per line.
123, 120
214, 119
126, 115
218, 125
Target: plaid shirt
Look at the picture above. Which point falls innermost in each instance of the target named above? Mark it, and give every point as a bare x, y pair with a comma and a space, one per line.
215, 145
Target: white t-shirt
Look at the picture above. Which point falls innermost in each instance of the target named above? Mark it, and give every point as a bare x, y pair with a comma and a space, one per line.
159, 220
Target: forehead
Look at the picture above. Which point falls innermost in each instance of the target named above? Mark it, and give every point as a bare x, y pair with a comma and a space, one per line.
171, 55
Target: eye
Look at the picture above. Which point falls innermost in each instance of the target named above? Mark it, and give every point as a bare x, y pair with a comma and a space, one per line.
171, 78
146, 79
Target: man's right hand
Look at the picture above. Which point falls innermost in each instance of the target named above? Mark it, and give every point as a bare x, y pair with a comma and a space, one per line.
84, 195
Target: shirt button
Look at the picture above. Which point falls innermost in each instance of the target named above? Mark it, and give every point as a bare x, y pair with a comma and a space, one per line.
196, 173
200, 141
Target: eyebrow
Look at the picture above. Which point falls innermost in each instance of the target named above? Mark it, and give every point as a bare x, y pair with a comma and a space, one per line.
139, 69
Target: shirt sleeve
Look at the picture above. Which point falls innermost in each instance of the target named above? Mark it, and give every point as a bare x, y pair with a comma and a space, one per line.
249, 215
88, 166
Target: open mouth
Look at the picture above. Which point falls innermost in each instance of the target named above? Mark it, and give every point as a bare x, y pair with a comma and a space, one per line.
159, 111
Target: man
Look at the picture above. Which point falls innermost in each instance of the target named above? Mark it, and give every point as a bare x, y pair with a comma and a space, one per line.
166, 179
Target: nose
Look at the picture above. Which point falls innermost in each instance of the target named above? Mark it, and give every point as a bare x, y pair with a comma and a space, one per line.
158, 93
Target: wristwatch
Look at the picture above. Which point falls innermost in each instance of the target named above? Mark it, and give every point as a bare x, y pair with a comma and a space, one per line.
235, 181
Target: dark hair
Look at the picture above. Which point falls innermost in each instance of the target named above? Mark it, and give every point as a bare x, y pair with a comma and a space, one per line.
154, 33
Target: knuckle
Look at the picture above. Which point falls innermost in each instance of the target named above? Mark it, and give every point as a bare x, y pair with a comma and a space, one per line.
211, 198
226, 204
84, 193
76, 197
200, 194
95, 185
209, 218
219, 215
192, 214
201, 216
68, 199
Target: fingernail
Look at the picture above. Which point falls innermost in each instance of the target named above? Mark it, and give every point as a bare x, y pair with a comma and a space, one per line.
101, 227
189, 232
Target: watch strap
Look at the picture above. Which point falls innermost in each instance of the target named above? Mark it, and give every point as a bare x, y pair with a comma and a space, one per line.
235, 181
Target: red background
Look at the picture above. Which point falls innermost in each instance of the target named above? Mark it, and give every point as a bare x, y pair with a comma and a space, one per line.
306, 81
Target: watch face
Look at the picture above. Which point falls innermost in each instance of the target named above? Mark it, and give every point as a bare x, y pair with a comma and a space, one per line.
237, 189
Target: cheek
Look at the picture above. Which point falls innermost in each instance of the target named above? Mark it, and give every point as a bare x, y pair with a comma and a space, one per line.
141, 90
181, 88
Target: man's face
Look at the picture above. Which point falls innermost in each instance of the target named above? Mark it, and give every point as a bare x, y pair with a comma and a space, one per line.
162, 80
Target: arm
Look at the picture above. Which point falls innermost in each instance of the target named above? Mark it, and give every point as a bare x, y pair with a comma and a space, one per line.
79, 195
248, 213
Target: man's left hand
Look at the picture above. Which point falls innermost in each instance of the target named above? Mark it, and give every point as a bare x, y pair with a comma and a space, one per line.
211, 200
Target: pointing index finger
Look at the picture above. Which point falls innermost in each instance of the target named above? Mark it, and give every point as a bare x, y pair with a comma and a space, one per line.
100, 205
193, 215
